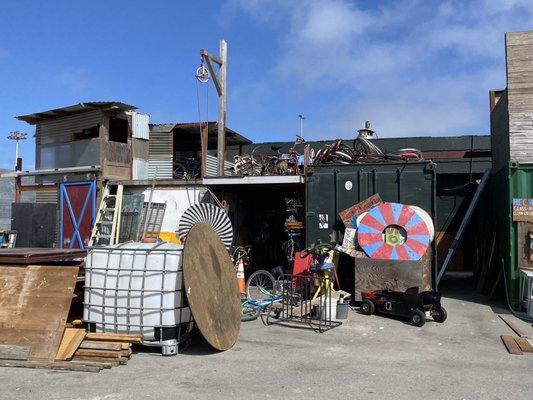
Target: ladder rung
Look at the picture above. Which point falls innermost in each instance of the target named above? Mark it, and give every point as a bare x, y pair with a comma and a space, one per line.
102, 236
105, 222
108, 209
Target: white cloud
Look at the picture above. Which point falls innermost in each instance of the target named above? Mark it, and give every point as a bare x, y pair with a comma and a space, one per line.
419, 67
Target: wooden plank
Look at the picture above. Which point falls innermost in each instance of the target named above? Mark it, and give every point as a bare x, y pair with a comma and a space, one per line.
396, 275
113, 361
98, 353
101, 365
8, 352
524, 345
34, 305
513, 326
511, 345
98, 345
115, 337
72, 339
60, 365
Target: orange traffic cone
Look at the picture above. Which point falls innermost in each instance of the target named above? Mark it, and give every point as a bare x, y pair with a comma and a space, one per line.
240, 277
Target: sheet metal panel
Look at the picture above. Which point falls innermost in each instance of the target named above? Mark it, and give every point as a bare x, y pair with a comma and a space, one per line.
211, 166
61, 129
36, 224
139, 169
513, 182
139, 124
46, 196
160, 155
333, 188
71, 154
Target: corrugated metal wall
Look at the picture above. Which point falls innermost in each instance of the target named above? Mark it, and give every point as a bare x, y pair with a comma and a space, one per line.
48, 196
211, 166
139, 169
139, 124
60, 130
160, 155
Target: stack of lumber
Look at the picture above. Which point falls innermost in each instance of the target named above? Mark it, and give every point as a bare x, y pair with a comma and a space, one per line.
35, 301
78, 351
519, 344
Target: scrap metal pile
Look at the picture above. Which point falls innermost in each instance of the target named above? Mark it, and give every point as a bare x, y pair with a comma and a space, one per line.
363, 151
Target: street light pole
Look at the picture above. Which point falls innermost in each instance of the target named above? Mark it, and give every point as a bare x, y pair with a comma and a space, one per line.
17, 136
301, 124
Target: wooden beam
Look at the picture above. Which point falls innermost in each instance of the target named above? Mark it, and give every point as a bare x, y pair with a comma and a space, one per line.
513, 326
524, 345
511, 345
11, 352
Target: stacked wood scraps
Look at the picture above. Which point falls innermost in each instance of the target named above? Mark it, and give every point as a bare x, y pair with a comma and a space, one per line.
518, 344
78, 351
35, 301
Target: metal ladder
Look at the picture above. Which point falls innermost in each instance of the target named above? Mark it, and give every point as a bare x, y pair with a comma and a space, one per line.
106, 229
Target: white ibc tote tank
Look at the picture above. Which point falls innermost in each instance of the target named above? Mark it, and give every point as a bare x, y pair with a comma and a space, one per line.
138, 288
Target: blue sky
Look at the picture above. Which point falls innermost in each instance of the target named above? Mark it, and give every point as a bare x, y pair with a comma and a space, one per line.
412, 67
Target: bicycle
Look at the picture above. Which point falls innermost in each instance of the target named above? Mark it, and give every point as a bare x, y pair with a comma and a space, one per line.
191, 169
261, 292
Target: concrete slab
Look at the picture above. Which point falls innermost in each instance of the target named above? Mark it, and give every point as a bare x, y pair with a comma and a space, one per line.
365, 358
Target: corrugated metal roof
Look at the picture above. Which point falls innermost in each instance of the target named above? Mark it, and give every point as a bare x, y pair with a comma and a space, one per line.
74, 109
193, 128
161, 128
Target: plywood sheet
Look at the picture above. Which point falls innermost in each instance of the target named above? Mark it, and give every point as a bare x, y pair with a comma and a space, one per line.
34, 305
391, 275
212, 288
70, 342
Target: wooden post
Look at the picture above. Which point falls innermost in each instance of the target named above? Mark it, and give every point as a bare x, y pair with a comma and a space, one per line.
219, 80
221, 139
204, 142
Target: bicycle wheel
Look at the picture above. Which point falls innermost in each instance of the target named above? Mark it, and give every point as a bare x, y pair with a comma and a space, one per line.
260, 286
249, 312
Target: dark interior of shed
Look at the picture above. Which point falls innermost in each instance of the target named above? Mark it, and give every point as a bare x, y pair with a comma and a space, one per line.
259, 214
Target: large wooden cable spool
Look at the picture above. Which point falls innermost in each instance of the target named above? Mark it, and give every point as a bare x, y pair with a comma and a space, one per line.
211, 287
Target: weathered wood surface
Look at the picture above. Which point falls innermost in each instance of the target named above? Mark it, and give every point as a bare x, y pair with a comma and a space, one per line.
511, 345
98, 345
511, 324
70, 342
391, 275
59, 365
34, 305
211, 287
114, 337
8, 352
524, 345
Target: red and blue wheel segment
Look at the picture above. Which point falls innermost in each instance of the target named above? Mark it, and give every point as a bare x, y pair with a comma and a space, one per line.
372, 225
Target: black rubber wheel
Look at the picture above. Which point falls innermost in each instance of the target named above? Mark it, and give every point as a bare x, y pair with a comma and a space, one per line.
418, 318
439, 315
367, 307
249, 313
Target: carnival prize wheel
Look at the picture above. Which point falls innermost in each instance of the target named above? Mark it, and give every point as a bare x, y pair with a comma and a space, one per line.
392, 231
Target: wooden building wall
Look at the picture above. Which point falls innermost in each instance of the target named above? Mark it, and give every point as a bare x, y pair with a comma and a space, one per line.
519, 53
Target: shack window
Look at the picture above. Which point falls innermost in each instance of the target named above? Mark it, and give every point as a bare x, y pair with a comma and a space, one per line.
118, 130
88, 133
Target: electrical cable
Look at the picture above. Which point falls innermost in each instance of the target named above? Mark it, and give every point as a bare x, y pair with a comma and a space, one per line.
517, 314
